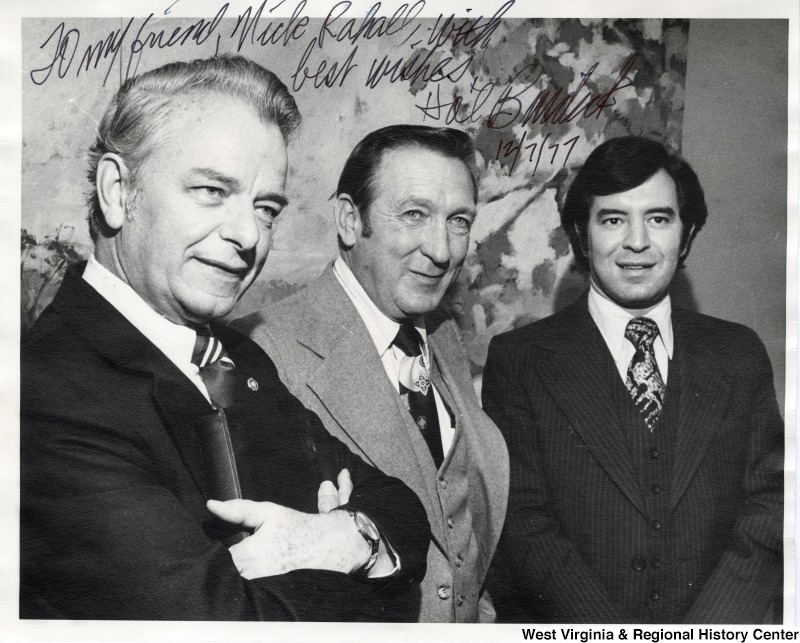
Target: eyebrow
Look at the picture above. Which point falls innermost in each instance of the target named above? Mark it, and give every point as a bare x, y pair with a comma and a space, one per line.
664, 210
213, 175
234, 185
427, 203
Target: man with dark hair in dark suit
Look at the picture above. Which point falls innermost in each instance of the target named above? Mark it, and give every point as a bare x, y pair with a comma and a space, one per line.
645, 440
140, 416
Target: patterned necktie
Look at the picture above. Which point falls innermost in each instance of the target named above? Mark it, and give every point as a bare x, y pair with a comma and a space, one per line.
211, 430
416, 390
216, 368
644, 380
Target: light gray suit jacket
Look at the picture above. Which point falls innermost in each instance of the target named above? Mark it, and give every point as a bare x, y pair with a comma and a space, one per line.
326, 357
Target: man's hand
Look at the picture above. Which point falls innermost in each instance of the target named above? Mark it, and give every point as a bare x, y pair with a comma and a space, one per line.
329, 497
285, 539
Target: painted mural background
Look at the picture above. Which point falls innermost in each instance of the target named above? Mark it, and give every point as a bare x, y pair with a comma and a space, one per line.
536, 94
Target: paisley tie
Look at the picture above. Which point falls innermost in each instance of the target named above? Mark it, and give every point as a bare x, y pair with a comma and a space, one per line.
415, 388
644, 381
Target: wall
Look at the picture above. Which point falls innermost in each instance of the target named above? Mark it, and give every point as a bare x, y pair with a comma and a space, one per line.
730, 76
518, 268
734, 135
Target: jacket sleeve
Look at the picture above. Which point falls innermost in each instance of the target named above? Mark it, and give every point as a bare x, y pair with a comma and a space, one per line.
391, 505
748, 576
389, 502
557, 585
104, 536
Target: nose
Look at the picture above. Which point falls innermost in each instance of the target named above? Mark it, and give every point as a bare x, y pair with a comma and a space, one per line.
436, 243
240, 226
636, 237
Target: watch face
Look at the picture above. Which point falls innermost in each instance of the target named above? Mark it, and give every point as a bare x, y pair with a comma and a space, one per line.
367, 526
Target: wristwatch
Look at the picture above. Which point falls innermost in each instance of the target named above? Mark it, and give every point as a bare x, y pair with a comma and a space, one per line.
370, 533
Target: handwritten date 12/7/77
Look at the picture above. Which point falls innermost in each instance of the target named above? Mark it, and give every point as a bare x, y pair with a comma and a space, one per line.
512, 148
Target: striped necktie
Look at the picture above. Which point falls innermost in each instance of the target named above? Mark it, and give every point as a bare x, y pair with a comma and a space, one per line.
216, 368
212, 433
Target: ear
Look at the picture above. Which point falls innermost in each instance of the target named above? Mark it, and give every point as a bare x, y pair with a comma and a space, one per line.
347, 220
113, 189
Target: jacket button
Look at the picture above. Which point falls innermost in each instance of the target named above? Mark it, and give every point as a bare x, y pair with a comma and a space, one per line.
444, 592
656, 524
656, 489
655, 562
638, 564
443, 483
654, 453
459, 560
450, 523
460, 600
654, 596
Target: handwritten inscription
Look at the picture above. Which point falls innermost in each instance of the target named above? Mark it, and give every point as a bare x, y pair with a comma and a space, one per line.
65, 45
512, 148
254, 27
274, 32
514, 105
431, 55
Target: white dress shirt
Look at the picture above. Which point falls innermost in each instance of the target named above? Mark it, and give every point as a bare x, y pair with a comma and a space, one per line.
612, 320
383, 331
174, 340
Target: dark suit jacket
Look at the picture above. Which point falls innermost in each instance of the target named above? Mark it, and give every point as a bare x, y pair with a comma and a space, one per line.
578, 529
113, 485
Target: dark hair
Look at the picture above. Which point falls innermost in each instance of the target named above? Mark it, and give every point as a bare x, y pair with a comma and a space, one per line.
622, 164
142, 106
358, 175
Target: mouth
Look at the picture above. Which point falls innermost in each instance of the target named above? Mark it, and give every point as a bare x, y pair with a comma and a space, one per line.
238, 269
427, 277
635, 267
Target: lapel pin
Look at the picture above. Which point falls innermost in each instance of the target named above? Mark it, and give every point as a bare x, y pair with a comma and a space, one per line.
252, 384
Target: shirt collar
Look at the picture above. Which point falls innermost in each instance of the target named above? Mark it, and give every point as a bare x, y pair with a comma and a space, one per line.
382, 329
175, 341
612, 321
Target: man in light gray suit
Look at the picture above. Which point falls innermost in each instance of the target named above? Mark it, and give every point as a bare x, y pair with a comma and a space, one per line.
362, 348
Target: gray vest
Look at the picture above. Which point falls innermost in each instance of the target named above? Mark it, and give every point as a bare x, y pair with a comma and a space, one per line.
449, 590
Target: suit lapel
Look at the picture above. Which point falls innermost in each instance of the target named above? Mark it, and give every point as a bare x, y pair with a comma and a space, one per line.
350, 369
440, 376
104, 328
181, 405
578, 374
704, 393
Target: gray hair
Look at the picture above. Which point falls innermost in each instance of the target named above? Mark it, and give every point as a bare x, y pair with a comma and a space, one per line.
141, 107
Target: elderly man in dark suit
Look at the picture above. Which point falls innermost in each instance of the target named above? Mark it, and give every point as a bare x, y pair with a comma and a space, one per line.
645, 440
138, 418
365, 347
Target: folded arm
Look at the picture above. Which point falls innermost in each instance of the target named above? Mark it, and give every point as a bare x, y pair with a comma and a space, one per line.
285, 539
104, 535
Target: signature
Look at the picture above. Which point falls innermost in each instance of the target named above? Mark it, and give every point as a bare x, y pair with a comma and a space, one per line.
519, 106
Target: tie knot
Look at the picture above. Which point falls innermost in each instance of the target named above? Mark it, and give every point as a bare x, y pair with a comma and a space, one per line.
207, 349
641, 331
408, 340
